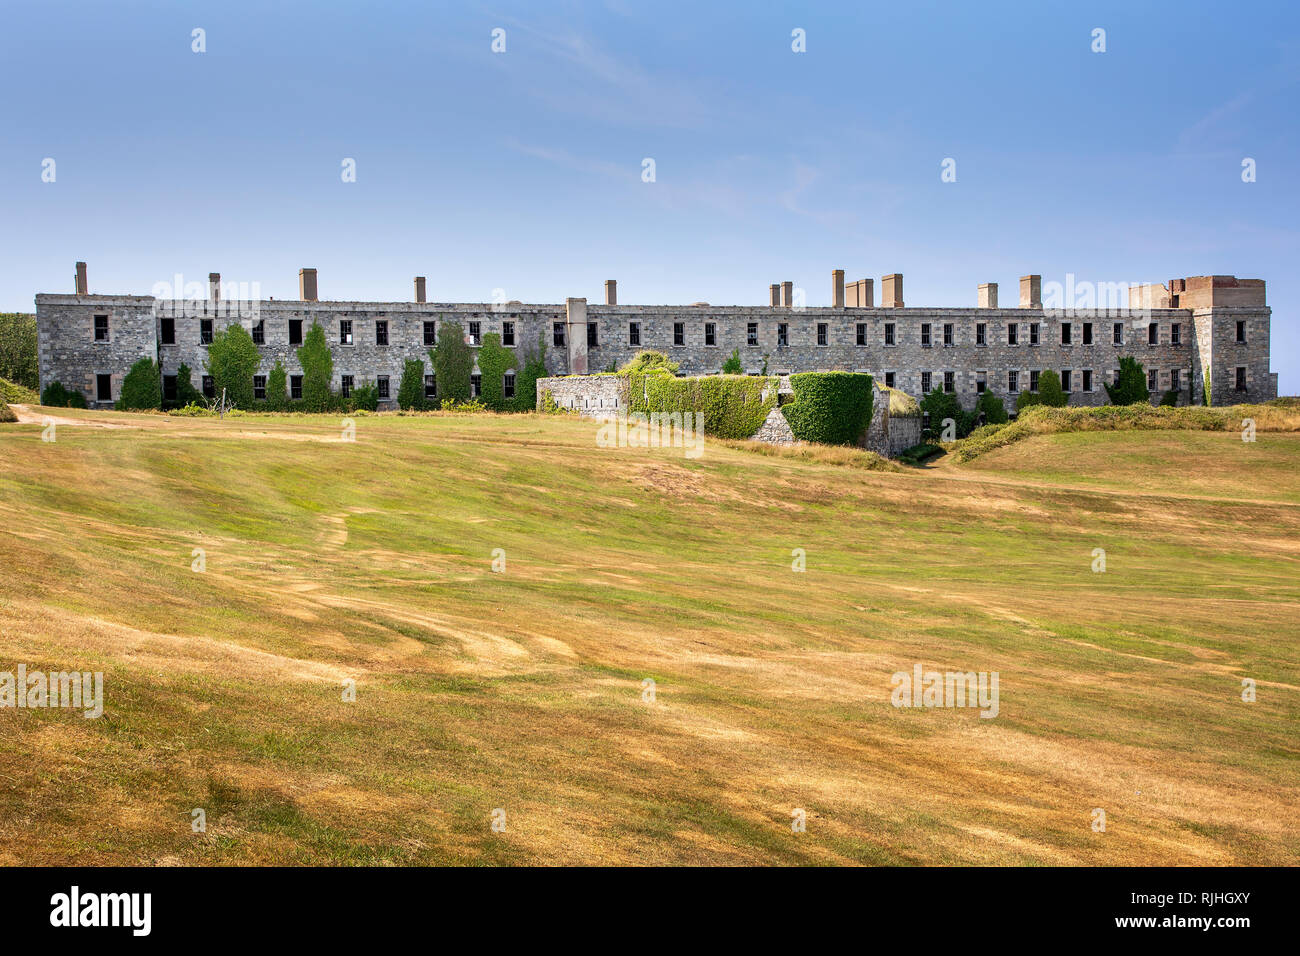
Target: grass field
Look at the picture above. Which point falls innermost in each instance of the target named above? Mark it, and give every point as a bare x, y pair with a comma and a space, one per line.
329, 561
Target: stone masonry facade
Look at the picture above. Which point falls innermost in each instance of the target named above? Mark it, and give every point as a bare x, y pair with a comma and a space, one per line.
89, 342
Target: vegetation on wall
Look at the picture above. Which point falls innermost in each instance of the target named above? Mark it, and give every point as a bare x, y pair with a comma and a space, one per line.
1049, 392
1131, 387
649, 360
186, 393
232, 360
410, 393
832, 408
363, 398
277, 391
453, 362
18, 348
494, 360
732, 365
56, 396
526, 380
142, 387
317, 370
941, 406
733, 406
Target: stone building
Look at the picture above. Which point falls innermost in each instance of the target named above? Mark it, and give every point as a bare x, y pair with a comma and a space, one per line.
1179, 332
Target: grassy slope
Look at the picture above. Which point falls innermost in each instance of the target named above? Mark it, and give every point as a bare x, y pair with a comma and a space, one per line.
522, 690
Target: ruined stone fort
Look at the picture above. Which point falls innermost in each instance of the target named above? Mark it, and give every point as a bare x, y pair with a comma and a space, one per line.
1187, 333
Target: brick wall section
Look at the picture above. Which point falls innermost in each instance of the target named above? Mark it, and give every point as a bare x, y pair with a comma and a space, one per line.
69, 354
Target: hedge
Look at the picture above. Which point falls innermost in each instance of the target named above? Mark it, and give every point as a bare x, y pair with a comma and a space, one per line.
56, 396
142, 387
832, 408
734, 406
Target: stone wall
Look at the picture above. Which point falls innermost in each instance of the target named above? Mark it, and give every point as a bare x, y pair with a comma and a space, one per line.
588, 395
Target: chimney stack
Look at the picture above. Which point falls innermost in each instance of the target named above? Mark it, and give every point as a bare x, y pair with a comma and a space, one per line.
419, 288
837, 289
307, 285
988, 295
611, 292
1031, 292
81, 279
891, 291
774, 293
787, 294
214, 286
861, 294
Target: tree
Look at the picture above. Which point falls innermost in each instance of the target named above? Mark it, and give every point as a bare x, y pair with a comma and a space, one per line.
526, 381
18, 348
995, 413
317, 370
939, 406
1131, 388
410, 393
142, 387
648, 361
1050, 392
277, 392
732, 365
232, 360
453, 362
493, 361
186, 393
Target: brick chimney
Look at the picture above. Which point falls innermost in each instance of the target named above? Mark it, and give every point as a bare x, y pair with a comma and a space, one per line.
988, 295
891, 291
787, 294
307, 285
419, 288
774, 295
1031, 292
214, 286
837, 289
611, 292
82, 285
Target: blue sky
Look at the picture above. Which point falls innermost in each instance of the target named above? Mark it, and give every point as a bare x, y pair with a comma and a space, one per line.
522, 170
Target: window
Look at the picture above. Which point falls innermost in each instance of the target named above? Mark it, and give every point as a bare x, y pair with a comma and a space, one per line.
169, 388
1173, 379
751, 334
925, 335
861, 333
101, 330
821, 333
592, 336
1087, 333
981, 382
889, 333
1114, 376
475, 385
295, 331
950, 381
889, 380
168, 331
1153, 334
475, 333
345, 331
1087, 380
1067, 332
430, 386
508, 385
103, 388
634, 333
345, 387
782, 335
981, 332
430, 333
259, 332
1013, 331
259, 387
925, 383
381, 386
508, 334
205, 331
1152, 380
1241, 378
1065, 381
710, 334
1033, 380
1013, 381
381, 331
1241, 333
557, 334
209, 387
295, 384
679, 333
947, 334
1033, 333
1176, 334
1117, 333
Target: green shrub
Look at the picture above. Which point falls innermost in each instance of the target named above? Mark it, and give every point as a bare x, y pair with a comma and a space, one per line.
410, 393
317, 371
648, 360
56, 396
17, 394
7, 413
186, 393
142, 387
453, 362
493, 362
732, 365
733, 406
1131, 387
18, 348
364, 398
919, 453
192, 410
1170, 398
526, 381
831, 408
277, 389
1027, 400
1050, 392
995, 413
941, 406
232, 360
